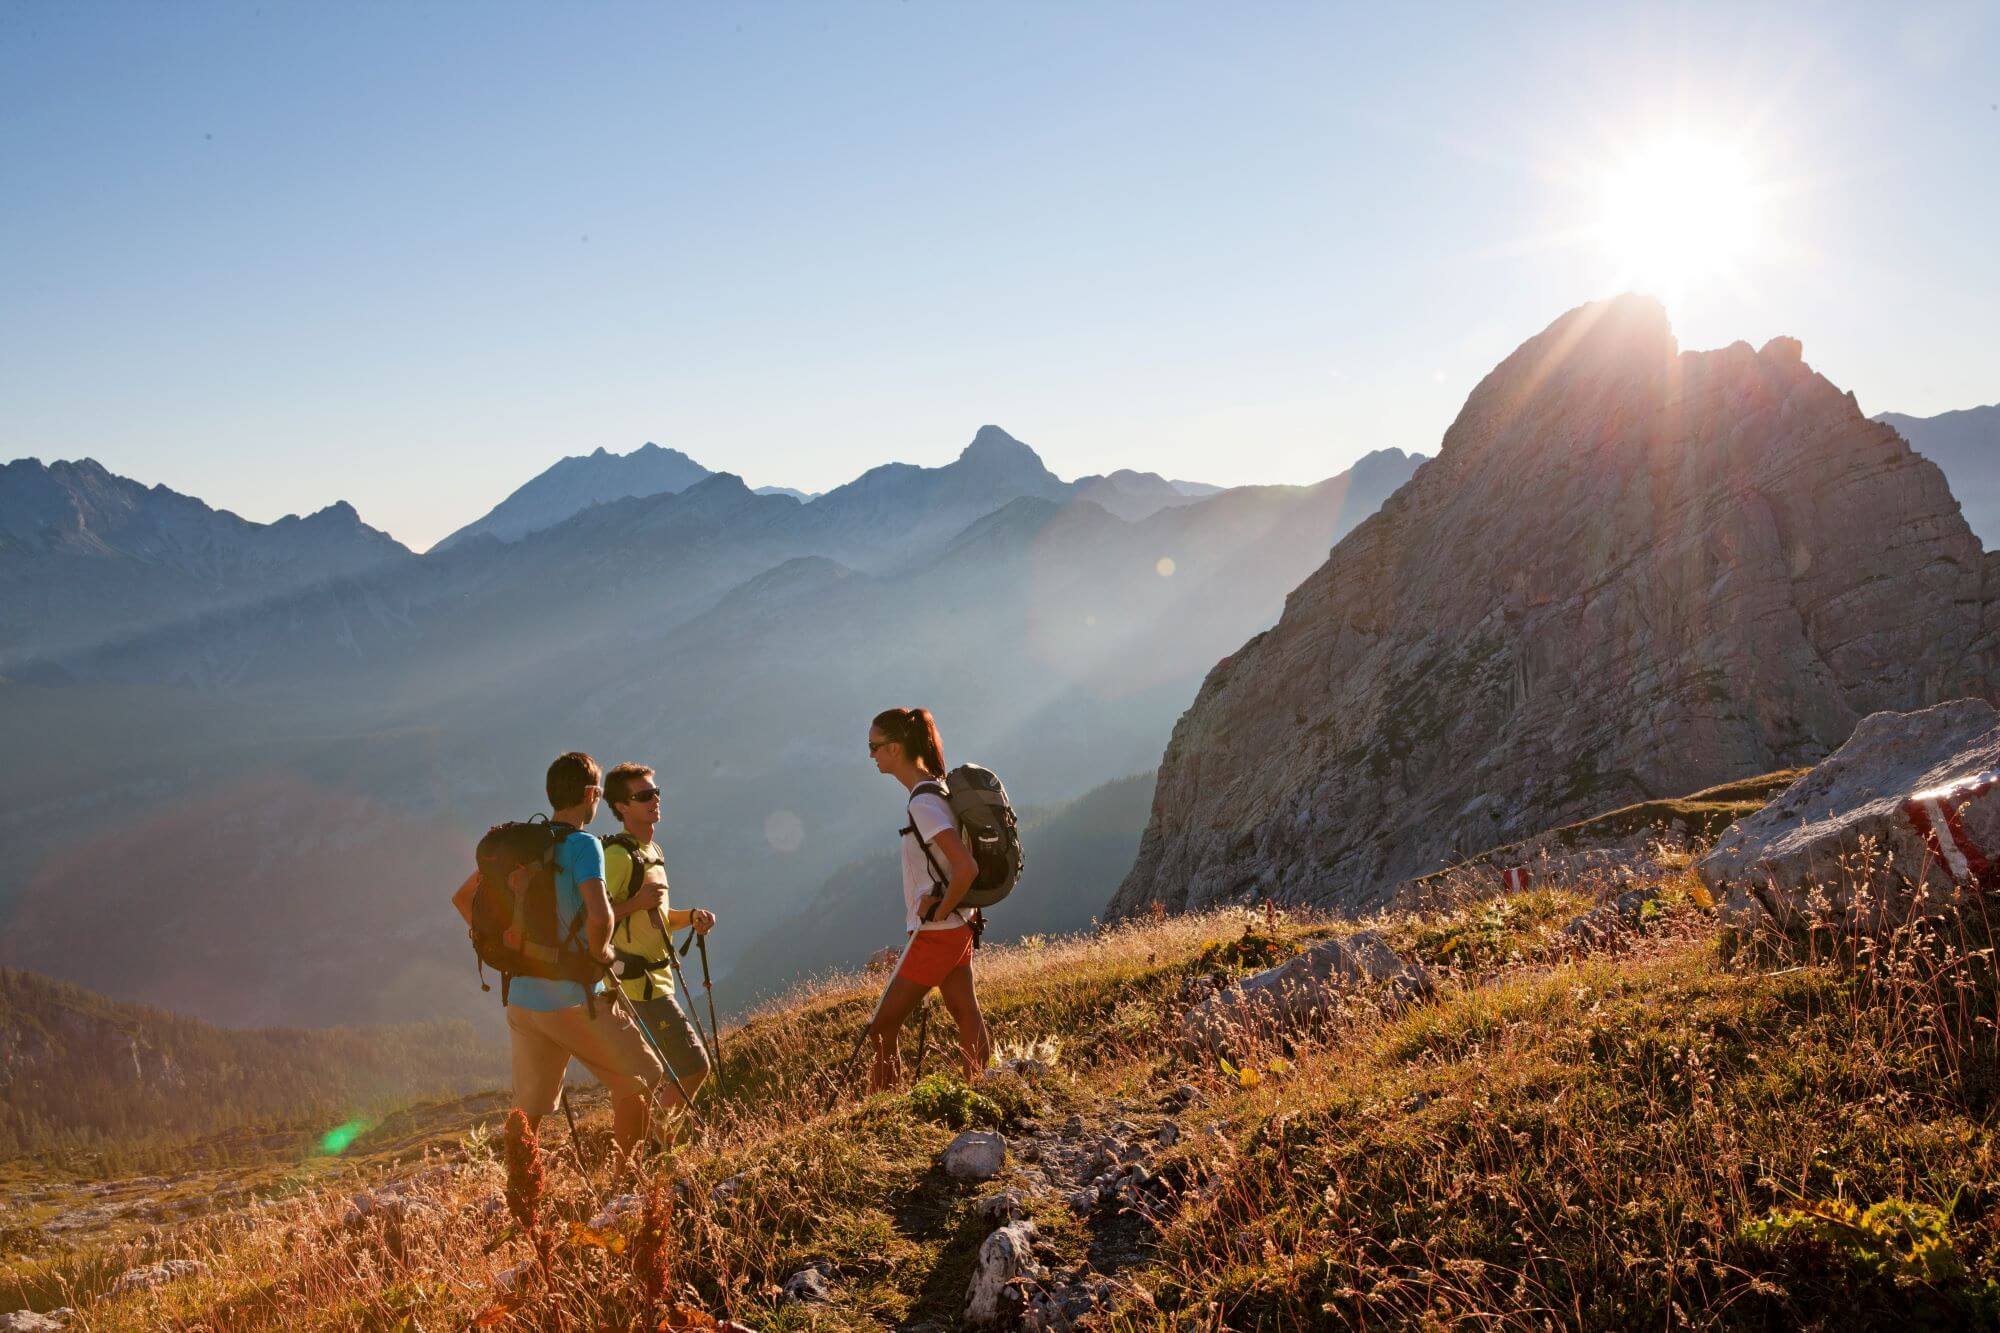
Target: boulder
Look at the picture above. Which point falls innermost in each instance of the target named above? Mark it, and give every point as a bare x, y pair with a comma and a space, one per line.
1000, 1209
994, 1299
28, 1321
1909, 806
808, 1286
153, 1275
1299, 989
975, 1155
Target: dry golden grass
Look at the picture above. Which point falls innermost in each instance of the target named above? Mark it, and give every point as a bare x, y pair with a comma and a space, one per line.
1647, 1130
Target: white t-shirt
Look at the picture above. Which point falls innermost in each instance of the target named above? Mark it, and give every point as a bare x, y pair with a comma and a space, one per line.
931, 814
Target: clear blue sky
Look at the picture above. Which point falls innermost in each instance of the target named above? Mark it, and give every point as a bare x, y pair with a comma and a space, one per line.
408, 254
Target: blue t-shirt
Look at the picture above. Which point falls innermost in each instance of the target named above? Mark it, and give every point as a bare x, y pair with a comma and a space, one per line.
579, 860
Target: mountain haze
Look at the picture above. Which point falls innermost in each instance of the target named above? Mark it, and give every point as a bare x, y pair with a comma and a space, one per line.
313, 769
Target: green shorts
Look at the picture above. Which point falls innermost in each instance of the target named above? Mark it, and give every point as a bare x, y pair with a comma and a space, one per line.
677, 1037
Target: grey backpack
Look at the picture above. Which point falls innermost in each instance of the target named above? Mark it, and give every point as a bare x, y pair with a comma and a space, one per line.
986, 822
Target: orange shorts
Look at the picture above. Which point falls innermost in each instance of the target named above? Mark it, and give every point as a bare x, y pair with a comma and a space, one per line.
935, 955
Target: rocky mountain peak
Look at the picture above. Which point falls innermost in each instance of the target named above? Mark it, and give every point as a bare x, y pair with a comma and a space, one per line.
993, 449
1631, 571
573, 484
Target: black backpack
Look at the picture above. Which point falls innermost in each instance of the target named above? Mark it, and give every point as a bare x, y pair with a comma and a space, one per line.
986, 821
515, 930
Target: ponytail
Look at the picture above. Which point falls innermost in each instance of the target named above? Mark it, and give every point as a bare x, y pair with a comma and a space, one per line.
916, 731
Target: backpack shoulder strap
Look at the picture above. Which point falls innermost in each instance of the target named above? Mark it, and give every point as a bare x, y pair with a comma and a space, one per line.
931, 787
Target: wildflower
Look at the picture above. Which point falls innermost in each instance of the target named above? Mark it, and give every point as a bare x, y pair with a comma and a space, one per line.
524, 1170
649, 1248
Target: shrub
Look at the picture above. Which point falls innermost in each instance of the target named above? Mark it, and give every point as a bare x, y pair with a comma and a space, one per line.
947, 1100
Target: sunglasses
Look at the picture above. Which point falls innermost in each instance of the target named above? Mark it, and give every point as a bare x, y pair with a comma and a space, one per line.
644, 794
873, 746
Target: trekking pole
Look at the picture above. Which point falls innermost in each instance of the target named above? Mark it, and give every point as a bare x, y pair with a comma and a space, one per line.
715, 1028
575, 1143
680, 980
632, 1011
923, 1031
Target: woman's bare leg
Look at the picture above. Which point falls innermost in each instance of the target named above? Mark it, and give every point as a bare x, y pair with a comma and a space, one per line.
900, 1001
975, 1048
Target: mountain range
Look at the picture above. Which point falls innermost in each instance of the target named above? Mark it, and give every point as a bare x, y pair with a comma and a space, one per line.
88, 557
285, 789
294, 732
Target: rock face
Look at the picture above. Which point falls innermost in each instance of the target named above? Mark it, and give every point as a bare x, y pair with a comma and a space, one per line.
1966, 444
1921, 789
1292, 993
1631, 571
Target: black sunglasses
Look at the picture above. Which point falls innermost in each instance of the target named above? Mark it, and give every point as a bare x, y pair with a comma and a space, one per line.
644, 794
873, 746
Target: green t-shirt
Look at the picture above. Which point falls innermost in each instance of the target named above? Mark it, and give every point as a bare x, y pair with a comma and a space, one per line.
638, 933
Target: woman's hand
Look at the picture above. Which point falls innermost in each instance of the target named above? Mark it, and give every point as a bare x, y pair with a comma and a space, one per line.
928, 905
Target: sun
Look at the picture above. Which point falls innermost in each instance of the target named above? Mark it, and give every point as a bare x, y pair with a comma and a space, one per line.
1680, 212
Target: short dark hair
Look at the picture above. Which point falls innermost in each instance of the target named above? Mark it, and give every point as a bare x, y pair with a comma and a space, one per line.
620, 782
569, 777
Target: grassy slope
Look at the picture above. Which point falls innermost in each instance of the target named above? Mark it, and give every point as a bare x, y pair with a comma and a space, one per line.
1580, 1138
88, 1082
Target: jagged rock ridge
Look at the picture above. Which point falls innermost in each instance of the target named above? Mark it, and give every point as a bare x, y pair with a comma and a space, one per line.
1966, 444
1630, 571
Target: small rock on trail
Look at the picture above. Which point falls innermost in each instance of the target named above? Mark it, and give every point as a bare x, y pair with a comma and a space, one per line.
975, 1155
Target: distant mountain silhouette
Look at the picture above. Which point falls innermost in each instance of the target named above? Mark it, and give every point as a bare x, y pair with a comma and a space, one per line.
87, 556
1966, 444
1132, 495
575, 484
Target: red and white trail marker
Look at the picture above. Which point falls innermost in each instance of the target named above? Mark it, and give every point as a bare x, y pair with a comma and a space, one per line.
1960, 823
1514, 879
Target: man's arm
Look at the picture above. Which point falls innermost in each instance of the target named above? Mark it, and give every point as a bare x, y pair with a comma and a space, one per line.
648, 896
596, 917
462, 899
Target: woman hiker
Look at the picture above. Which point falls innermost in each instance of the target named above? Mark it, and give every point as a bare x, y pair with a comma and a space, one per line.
938, 870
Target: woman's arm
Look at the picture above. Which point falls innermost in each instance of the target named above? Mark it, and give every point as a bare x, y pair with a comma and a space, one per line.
963, 870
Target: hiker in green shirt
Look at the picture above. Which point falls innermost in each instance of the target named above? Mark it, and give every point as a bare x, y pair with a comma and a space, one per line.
642, 921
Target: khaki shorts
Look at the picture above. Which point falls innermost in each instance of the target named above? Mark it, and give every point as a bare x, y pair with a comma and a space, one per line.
676, 1035
608, 1045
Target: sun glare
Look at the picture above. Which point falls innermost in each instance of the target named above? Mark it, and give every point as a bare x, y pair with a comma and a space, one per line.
1680, 212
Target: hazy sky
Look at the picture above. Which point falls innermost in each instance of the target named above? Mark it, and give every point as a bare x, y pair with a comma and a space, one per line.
407, 255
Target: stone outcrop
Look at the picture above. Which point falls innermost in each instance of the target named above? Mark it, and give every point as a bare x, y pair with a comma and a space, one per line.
1911, 801
1631, 571
1298, 990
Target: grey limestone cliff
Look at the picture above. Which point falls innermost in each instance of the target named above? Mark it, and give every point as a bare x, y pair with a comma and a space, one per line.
1631, 571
